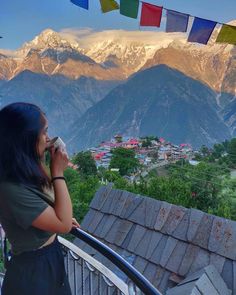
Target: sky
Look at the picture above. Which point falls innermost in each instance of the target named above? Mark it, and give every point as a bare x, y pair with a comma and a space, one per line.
22, 20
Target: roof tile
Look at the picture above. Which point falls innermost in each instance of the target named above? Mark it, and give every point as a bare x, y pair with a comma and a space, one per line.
157, 253
201, 261
137, 216
153, 244
227, 273
150, 271
185, 289
194, 222
205, 286
175, 216
140, 263
234, 277
218, 261
182, 228
151, 211
109, 202
127, 239
176, 257
203, 232
162, 215
132, 202
97, 217
141, 248
100, 197
159, 275
87, 219
137, 236
105, 226
228, 246
216, 280
169, 248
217, 233
164, 281
189, 257
118, 232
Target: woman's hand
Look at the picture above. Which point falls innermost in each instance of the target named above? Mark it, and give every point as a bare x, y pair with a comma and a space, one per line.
75, 223
59, 161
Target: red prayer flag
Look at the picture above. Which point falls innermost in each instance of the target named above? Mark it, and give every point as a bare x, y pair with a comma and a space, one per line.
150, 15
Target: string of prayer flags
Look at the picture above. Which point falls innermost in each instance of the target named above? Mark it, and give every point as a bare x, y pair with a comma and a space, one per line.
201, 30
81, 3
108, 5
176, 21
129, 8
227, 34
151, 15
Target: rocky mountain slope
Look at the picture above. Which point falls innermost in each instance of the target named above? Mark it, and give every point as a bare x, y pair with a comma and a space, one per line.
158, 101
64, 100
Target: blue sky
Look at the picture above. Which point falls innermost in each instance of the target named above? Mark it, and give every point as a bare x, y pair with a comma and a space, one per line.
22, 20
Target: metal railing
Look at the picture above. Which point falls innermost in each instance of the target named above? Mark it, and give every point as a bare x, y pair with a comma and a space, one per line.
138, 284
88, 276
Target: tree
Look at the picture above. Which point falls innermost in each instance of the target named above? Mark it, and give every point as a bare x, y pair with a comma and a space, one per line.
124, 160
86, 163
232, 151
205, 181
147, 140
218, 150
81, 191
204, 150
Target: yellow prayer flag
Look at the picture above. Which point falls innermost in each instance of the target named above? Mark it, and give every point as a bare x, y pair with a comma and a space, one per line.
227, 34
109, 5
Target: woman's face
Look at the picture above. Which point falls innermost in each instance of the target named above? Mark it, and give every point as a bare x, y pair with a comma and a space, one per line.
43, 139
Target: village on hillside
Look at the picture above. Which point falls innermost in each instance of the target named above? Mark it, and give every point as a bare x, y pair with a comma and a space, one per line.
151, 151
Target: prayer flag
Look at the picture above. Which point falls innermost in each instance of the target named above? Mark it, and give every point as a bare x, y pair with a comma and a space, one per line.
108, 5
227, 34
176, 21
81, 3
129, 8
201, 30
151, 15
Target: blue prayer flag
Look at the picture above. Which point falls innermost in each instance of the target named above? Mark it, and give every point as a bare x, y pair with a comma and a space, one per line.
81, 3
201, 30
176, 21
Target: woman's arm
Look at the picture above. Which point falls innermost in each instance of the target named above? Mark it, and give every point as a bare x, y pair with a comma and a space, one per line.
59, 218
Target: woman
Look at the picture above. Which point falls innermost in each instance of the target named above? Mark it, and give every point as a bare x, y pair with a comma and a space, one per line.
30, 218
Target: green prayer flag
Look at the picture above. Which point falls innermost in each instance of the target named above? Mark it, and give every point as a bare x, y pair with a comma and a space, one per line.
227, 34
129, 8
108, 5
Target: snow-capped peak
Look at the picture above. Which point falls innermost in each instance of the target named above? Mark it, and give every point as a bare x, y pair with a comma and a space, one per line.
132, 53
48, 39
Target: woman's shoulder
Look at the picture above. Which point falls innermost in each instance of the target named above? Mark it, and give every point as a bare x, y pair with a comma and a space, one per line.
5, 185
14, 190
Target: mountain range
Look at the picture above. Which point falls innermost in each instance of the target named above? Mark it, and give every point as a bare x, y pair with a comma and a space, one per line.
158, 100
76, 84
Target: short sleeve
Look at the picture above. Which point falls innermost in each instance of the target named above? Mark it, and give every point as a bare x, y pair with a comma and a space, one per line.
24, 205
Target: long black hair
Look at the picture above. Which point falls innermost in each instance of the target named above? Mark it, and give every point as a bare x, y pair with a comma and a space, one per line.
20, 162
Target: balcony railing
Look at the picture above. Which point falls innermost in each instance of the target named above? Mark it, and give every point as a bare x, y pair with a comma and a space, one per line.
88, 276
137, 284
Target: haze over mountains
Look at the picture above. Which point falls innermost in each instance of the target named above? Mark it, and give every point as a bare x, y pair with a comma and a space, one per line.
79, 86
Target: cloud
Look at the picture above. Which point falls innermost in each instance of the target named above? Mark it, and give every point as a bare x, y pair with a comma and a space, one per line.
87, 37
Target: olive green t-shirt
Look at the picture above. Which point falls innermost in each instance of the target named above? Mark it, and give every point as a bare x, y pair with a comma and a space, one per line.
20, 205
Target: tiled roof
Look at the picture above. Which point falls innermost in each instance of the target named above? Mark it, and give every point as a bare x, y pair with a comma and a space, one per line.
164, 241
205, 281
